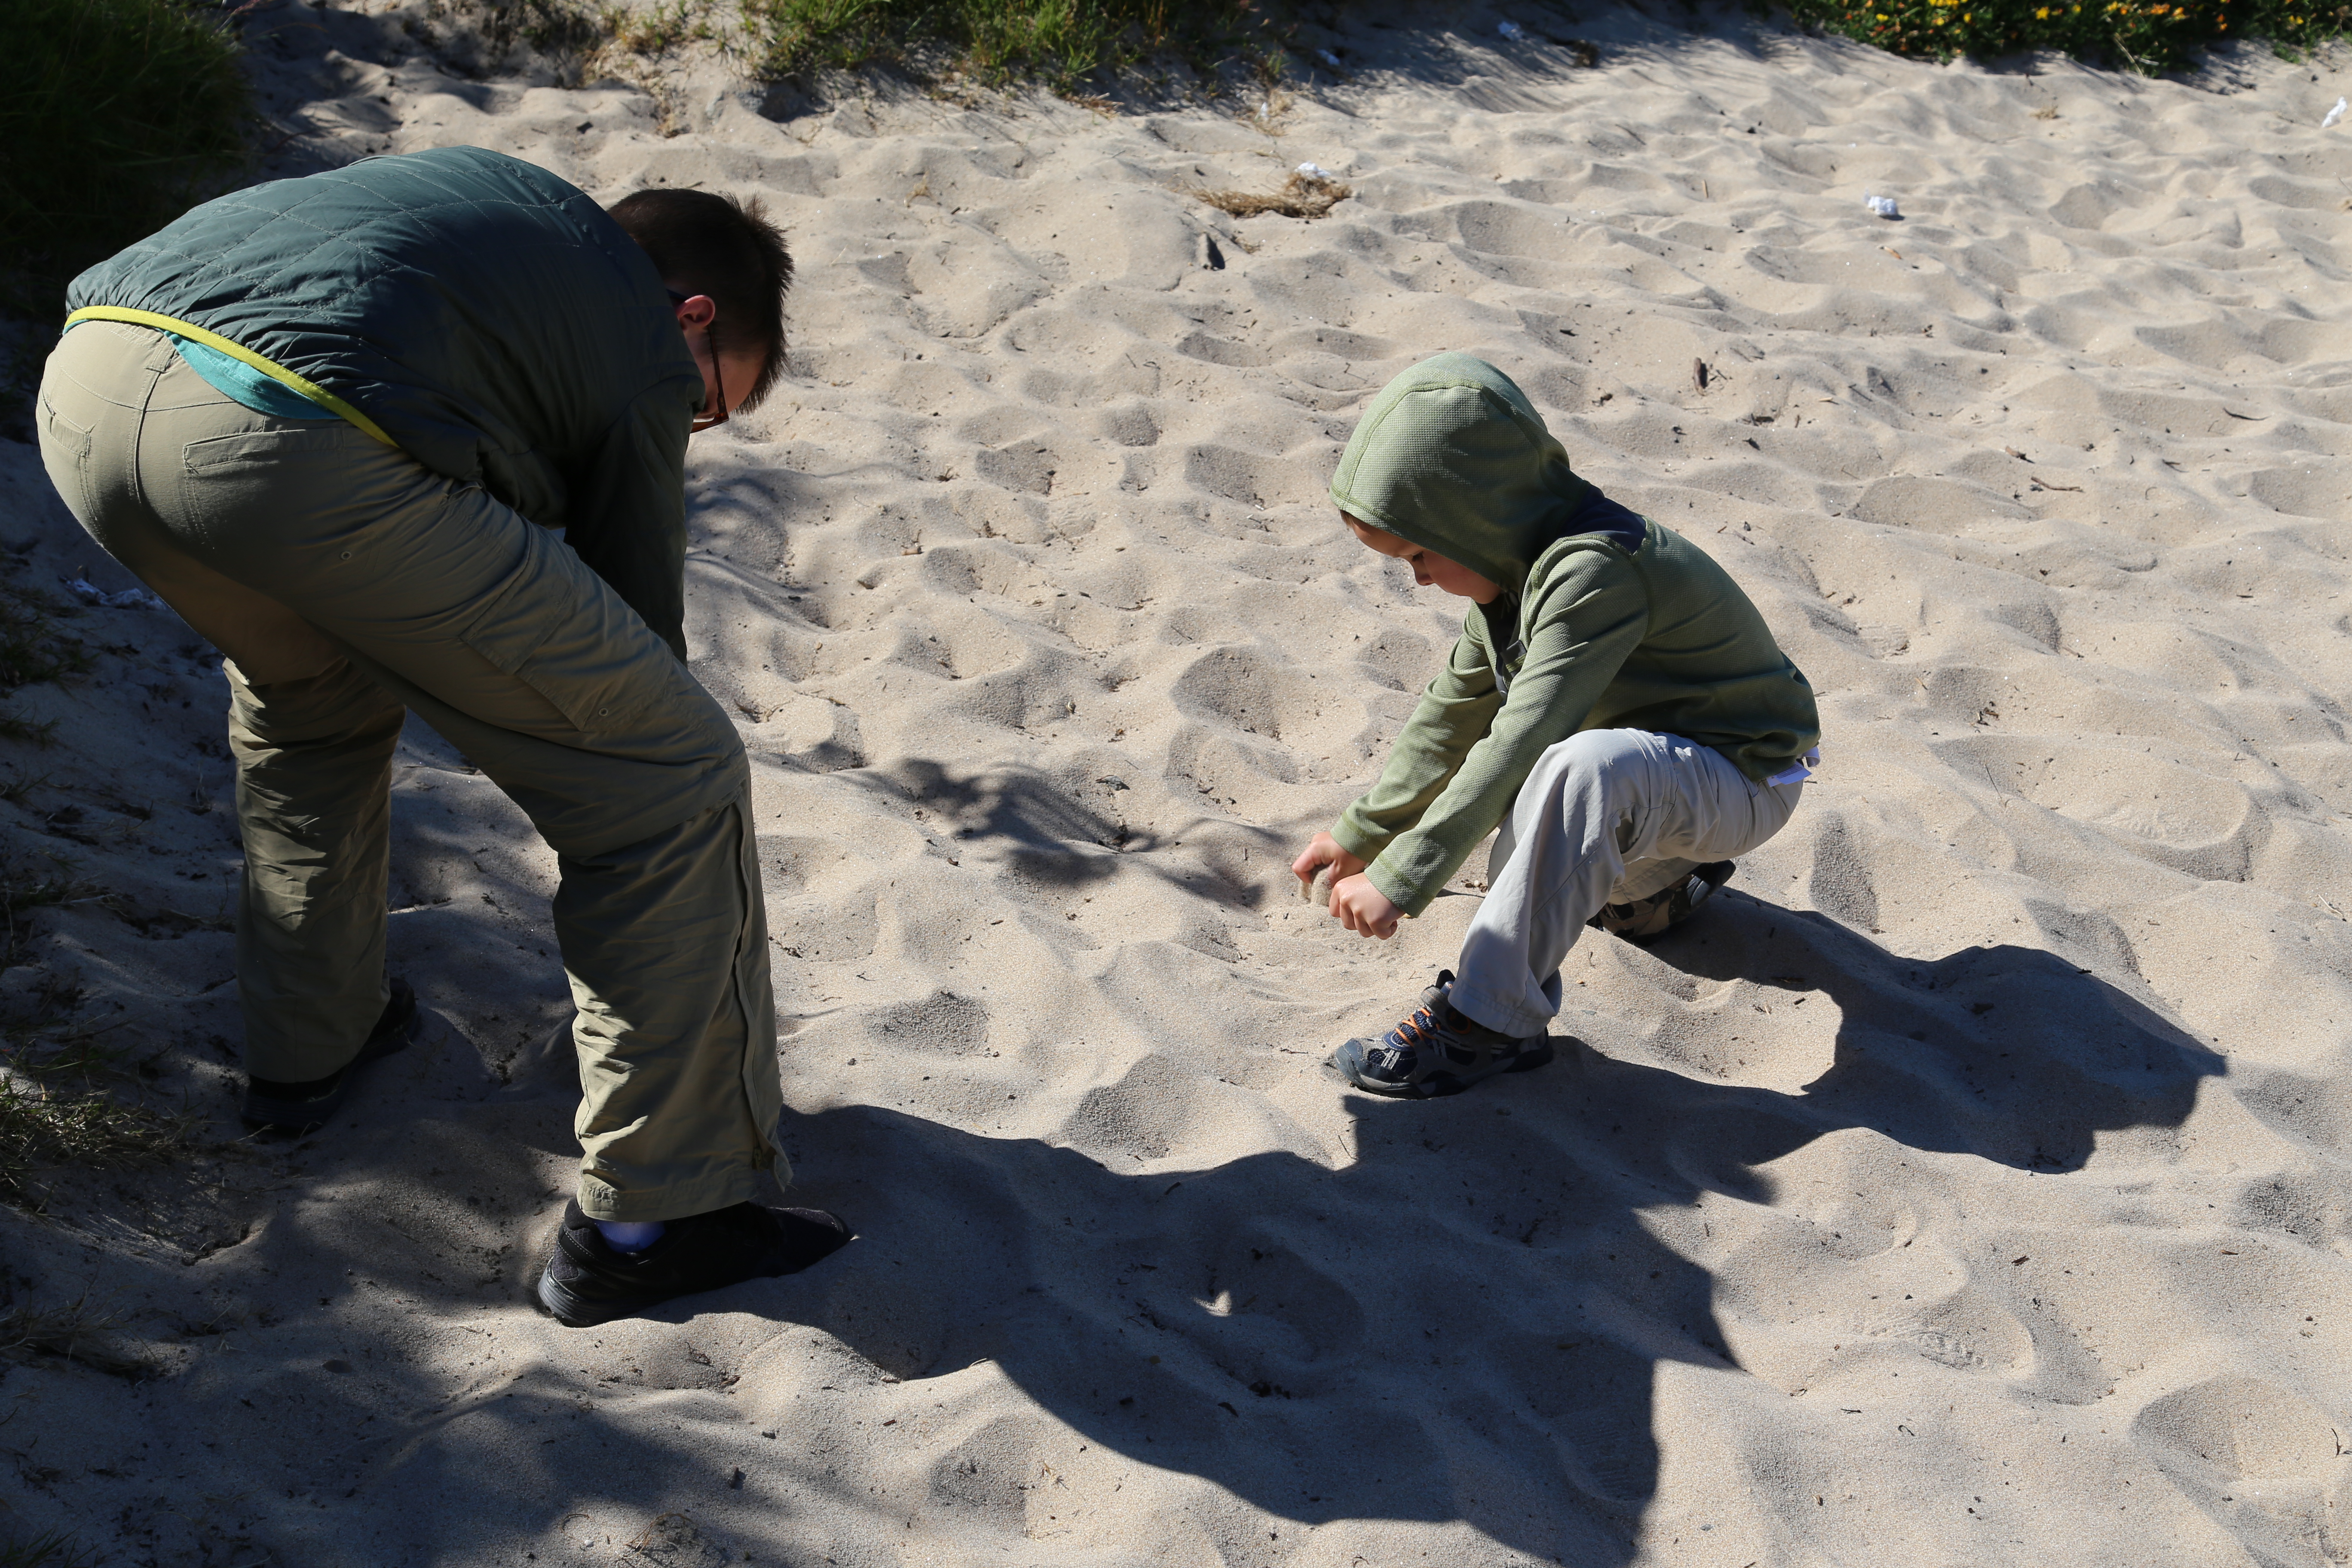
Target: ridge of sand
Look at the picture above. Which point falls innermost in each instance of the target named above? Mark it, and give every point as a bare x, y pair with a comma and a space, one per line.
1969, 1187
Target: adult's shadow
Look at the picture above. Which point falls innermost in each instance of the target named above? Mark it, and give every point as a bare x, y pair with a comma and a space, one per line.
1462, 1322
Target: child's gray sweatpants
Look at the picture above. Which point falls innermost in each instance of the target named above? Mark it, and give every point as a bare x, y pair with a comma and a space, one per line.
1605, 817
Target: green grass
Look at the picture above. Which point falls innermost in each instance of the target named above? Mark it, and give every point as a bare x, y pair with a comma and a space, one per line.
1062, 42
1068, 43
117, 116
2147, 36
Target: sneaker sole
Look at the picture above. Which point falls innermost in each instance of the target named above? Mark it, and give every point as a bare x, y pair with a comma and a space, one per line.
1713, 886
573, 1312
576, 1312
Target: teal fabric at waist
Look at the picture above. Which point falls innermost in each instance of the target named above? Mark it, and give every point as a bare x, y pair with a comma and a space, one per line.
234, 378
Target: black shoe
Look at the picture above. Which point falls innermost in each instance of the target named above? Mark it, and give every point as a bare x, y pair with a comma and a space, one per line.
306, 1107
587, 1282
1438, 1050
1645, 920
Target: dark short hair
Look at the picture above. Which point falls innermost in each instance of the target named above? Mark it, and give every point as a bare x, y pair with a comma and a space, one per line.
706, 243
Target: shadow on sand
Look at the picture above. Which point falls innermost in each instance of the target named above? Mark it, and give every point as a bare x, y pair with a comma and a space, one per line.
1250, 1324
1165, 1316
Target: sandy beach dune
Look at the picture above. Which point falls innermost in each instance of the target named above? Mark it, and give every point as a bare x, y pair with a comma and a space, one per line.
1969, 1186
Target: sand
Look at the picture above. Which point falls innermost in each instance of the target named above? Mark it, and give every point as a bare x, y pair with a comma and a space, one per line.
1969, 1186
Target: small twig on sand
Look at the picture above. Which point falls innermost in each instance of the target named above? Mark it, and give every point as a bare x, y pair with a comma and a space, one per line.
1302, 195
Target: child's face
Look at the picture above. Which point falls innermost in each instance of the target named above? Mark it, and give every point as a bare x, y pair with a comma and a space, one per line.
1429, 568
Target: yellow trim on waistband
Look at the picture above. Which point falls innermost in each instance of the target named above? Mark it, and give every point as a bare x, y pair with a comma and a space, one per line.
270, 368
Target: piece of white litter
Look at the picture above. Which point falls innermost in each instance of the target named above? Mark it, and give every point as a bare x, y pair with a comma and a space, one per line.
89, 592
1511, 30
1882, 205
1328, 58
2334, 115
1317, 172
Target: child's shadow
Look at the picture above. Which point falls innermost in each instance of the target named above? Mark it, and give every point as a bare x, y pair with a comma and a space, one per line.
1461, 1324
2013, 1054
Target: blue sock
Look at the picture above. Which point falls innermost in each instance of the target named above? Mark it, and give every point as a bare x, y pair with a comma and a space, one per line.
628, 1235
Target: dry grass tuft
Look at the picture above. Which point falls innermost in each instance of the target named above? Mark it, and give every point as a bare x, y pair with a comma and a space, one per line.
71, 1332
60, 1103
51, 1548
59, 1107
1302, 195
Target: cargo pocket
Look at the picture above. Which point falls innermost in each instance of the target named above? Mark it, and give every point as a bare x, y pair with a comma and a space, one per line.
248, 451
562, 630
65, 452
72, 439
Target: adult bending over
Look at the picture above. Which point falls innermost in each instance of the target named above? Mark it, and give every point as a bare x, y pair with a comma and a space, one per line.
332, 421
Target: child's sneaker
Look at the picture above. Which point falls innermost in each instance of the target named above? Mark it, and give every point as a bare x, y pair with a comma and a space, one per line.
588, 1281
1437, 1050
1645, 920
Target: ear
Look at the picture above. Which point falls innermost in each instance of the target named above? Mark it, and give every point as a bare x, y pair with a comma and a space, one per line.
699, 310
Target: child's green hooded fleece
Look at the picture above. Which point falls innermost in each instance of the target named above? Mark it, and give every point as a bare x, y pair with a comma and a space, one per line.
1606, 621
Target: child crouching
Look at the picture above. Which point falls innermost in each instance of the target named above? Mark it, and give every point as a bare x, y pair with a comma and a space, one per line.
1615, 705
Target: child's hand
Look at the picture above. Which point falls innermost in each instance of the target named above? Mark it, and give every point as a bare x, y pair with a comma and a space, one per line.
1362, 907
1323, 850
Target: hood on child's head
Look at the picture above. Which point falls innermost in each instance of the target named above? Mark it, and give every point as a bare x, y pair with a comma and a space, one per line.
1452, 456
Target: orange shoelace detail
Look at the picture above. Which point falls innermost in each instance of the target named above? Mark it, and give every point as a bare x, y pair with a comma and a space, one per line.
1421, 1027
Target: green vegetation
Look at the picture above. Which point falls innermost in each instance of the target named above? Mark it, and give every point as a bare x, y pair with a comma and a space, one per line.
118, 113
2146, 35
1062, 41
1066, 41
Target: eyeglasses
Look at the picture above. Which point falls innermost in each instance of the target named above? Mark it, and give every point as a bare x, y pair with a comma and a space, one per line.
704, 419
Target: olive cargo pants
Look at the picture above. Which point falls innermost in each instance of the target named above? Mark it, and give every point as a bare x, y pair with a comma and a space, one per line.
344, 583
